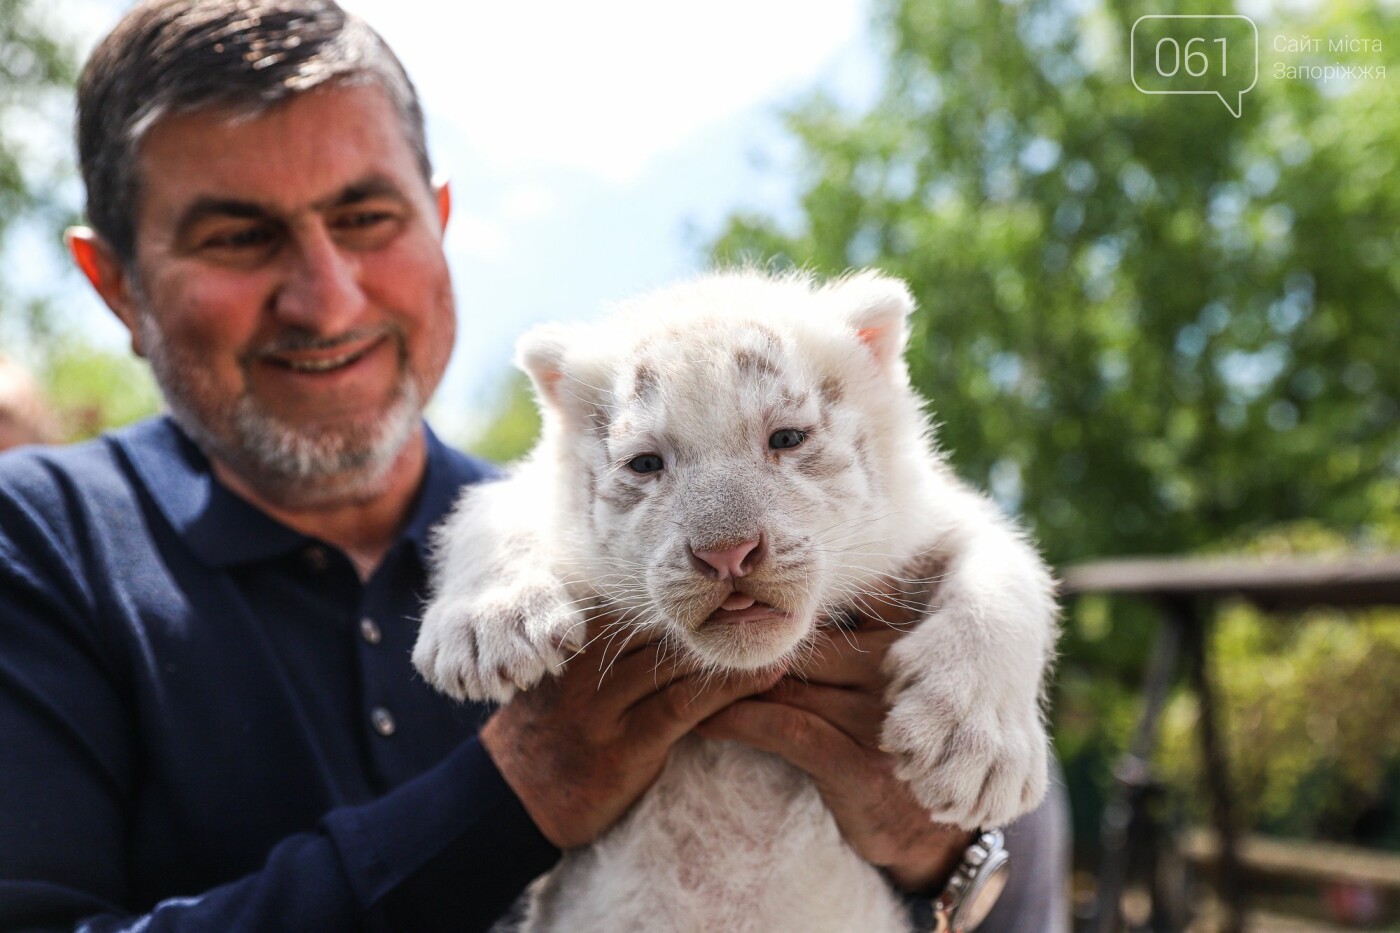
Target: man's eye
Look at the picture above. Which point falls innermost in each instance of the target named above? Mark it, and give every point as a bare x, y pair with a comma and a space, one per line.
646, 463
242, 238
365, 229
365, 219
786, 439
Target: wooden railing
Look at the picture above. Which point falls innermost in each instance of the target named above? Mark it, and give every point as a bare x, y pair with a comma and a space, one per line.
1185, 591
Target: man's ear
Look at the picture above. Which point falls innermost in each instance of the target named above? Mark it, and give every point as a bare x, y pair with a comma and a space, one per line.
109, 278
442, 193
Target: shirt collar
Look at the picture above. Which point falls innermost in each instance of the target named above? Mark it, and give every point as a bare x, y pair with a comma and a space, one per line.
223, 530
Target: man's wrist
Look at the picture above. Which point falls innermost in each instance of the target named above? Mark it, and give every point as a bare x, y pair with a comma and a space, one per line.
926, 872
976, 885
514, 766
970, 876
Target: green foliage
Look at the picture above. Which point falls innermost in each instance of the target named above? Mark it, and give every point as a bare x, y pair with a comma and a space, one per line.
1310, 707
1146, 325
95, 389
89, 388
33, 66
1309, 702
1145, 322
514, 427
36, 74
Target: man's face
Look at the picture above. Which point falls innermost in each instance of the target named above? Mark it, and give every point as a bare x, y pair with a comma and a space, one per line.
291, 289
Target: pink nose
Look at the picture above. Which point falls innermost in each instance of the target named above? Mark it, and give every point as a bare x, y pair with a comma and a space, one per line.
727, 563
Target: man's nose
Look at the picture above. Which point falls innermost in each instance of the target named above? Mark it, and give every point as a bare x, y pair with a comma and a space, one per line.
321, 290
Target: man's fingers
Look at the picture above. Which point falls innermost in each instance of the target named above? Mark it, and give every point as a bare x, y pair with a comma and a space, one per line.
849, 658
691, 698
613, 676
898, 605
610, 637
803, 739
857, 713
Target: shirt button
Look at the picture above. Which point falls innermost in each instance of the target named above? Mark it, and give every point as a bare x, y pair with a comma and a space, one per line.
369, 631
315, 558
382, 720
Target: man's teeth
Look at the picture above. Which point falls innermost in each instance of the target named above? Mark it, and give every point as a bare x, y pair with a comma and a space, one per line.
321, 366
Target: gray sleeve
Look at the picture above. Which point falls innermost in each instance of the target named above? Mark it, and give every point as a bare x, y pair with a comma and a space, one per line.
1036, 899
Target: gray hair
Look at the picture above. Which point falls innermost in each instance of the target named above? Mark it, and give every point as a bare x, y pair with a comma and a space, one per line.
169, 57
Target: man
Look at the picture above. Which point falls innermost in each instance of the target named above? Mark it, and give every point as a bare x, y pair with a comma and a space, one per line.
205, 620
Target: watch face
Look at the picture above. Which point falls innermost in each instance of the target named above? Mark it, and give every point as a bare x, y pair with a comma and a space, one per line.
983, 895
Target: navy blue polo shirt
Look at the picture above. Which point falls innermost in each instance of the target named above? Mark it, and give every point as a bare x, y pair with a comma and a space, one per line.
208, 720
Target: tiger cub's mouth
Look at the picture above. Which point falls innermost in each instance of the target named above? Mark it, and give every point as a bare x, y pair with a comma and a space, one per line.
740, 608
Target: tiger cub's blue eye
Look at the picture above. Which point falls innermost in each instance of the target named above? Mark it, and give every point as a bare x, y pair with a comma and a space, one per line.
786, 439
646, 463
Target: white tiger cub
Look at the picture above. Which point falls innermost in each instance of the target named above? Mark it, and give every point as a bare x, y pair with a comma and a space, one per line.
732, 462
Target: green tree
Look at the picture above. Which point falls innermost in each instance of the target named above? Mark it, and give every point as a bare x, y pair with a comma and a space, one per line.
34, 66
36, 76
1311, 698
95, 389
91, 388
514, 426
1146, 325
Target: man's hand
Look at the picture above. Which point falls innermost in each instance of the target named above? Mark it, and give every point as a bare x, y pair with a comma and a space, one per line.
825, 719
580, 748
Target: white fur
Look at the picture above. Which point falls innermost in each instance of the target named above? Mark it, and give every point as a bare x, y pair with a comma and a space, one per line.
702, 375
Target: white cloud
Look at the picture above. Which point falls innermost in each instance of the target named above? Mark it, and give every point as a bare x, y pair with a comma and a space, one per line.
527, 202
605, 86
477, 237
83, 22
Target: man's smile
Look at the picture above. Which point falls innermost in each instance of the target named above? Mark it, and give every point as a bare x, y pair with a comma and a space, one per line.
326, 360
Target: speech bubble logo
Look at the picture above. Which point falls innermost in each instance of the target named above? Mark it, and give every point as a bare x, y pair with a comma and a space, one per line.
1181, 54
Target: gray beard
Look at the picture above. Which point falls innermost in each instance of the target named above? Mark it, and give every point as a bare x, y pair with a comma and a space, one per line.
285, 463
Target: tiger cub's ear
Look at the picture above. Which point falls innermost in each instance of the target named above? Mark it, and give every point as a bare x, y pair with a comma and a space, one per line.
540, 353
560, 390
877, 308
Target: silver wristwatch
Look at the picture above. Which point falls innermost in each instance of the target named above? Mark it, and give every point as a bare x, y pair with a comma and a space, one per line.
973, 890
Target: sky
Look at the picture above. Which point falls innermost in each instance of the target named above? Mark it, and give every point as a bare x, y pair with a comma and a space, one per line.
592, 148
